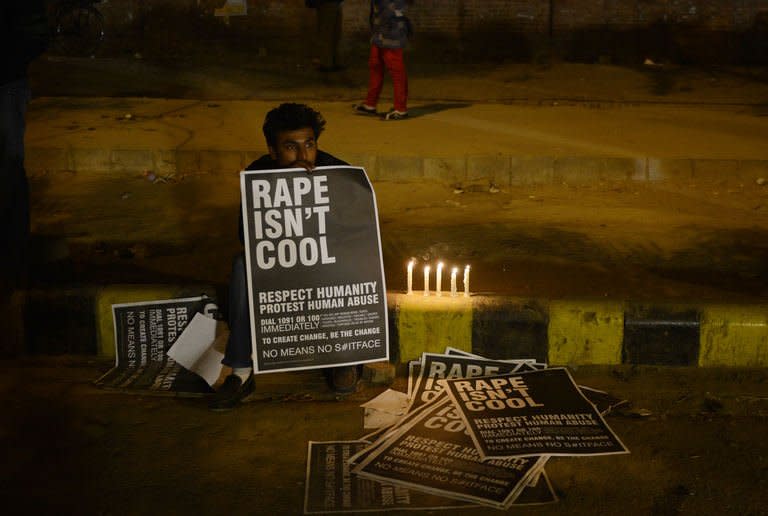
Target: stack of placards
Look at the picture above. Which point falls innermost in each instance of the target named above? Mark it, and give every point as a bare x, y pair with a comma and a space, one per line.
476, 431
164, 347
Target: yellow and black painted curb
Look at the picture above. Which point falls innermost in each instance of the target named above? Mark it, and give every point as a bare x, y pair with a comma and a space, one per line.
559, 332
79, 320
582, 331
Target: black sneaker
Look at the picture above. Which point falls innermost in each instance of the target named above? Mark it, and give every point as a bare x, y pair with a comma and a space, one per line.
231, 393
396, 115
362, 109
344, 379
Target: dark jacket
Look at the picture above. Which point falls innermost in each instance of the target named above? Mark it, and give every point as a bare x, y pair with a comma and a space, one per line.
266, 162
390, 27
24, 32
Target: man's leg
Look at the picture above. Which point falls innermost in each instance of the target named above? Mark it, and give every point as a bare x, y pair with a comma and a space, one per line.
329, 20
344, 379
240, 383
338, 27
238, 352
393, 58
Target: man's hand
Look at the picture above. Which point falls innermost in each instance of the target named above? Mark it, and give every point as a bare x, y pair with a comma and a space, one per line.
306, 165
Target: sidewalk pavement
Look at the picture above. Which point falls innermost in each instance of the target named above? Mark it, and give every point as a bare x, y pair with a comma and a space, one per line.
581, 141
449, 142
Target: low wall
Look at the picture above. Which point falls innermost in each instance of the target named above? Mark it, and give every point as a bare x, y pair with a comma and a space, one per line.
622, 31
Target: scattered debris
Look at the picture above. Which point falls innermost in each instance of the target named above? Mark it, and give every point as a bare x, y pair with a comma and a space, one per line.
620, 375
712, 404
638, 412
152, 177
650, 62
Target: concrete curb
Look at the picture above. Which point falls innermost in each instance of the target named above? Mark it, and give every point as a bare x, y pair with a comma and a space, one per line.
471, 169
560, 332
79, 320
585, 331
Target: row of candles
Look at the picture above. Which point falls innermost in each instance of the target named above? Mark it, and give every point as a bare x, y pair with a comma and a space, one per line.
438, 279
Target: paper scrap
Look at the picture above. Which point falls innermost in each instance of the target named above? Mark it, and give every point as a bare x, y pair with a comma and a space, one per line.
194, 349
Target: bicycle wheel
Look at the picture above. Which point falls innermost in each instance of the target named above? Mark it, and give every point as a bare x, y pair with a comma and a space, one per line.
79, 31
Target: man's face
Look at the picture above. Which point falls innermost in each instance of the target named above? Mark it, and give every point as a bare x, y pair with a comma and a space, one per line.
295, 148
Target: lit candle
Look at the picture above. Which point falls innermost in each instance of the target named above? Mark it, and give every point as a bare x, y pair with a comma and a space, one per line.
410, 276
426, 280
454, 271
439, 280
466, 281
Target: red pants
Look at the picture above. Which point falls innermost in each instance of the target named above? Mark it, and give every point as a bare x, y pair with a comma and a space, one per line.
392, 58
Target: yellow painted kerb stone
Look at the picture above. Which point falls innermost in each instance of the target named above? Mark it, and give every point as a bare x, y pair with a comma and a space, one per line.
430, 324
734, 336
116, 294
585, 332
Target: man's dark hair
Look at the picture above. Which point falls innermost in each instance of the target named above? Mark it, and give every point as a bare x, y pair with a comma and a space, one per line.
290, 117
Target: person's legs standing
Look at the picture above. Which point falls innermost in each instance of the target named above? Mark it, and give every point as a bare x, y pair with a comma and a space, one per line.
376, 76
14, 188
14, 214
338, 23
393, 59
329, 21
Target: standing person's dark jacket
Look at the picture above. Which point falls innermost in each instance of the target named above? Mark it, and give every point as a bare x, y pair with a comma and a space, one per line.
390, 27
24, 32
266, 162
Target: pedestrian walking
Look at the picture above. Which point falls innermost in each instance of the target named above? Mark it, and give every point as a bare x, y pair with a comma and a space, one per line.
329, 25
390, 30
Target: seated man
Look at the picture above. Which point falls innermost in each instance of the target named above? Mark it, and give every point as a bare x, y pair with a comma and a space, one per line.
291, 131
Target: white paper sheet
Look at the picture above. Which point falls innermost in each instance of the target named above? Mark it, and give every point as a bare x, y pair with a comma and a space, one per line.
194, 349
385, 409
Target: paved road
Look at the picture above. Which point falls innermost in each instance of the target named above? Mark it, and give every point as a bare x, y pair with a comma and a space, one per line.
236, 76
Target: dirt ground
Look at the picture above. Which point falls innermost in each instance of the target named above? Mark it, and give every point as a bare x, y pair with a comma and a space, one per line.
671, 240
71, 448
700, 240
624, 240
